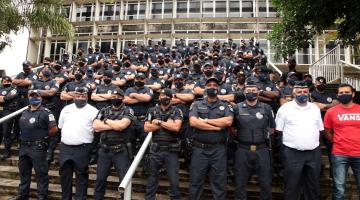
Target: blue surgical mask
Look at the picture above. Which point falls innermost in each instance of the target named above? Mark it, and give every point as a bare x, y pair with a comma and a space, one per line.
302, 98
34, 101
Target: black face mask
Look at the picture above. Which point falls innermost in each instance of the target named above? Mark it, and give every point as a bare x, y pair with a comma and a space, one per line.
154, 73
167, 60
208, 73
165, 101
6, 85
107, 81
185, 75
116, 102
161, 62
201, 57
81, 64
89, 76
127, 64
241, 80
78, 77
26, 70
116, 68
80, 103
179, 85
321, 87
211, 92
139, 84
345, 98
187, 62
197, 68
251, 96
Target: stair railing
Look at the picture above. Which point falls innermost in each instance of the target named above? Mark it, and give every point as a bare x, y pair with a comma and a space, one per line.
352, 80
126, 183
327, 66
273, 66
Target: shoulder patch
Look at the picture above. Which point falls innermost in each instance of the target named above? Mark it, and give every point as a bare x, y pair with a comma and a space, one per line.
51, 118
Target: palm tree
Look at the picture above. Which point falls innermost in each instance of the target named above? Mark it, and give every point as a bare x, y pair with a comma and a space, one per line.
35, 14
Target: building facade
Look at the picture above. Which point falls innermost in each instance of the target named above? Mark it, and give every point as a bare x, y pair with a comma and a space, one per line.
114, 23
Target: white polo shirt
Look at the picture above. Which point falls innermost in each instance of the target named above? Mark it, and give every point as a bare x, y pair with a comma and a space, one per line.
300, 125
76, 124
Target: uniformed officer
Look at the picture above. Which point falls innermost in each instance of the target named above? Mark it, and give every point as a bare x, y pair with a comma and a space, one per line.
268, 91
139, 98
208, 70
48, 89
8, 97
286, 93
254, 122
67, 95
239, 87
102, 94
154, 83
113, 125
210, 118
165, 123
36, 124
225, 90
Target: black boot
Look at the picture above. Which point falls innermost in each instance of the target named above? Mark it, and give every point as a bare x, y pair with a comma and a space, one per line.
6, 154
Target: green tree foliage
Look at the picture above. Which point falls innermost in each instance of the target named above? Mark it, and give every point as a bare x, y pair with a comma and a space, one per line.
302, 19
37, 14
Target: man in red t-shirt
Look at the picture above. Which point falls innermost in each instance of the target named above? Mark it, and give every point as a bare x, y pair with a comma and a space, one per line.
342, 127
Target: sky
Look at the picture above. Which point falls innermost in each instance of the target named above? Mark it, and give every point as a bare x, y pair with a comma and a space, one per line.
12, 57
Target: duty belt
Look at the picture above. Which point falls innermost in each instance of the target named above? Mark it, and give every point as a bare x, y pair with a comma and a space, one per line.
206, 146
32, 143
113, 149
140, 117
253, 147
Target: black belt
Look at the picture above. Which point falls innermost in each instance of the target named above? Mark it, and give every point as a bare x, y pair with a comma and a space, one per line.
77, 145
205, 145
140, 117
32, 143
113, 148
253, 147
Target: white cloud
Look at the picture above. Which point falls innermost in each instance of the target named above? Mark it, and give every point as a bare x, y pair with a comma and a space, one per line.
12, 57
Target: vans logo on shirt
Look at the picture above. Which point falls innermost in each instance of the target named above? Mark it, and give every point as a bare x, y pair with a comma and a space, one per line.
349, 117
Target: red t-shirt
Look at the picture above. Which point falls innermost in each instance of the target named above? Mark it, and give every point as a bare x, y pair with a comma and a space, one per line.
346, 125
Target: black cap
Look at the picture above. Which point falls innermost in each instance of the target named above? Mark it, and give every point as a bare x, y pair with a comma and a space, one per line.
219, 71
307, 75
26, 63
178, 76
118, 62
207, 64
168, 92
118, 91
7, 78
182, 68
81, 90
250, 83
300, 84
34, 92
108, 73
65, 55
140, 74
83, 59
262, 68
321, 79
212, 79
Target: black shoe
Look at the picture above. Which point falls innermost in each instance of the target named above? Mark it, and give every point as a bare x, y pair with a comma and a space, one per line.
6, 154
50, 156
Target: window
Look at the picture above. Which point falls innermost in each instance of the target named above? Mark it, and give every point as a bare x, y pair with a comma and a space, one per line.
110, 11
159, 28
56, 48
65, 11
214, 28
168, 9
156, 10
106, 45
220, 8
234, 8
181, 9
187, 28
208, 8
161, 9
247, 8
83, 30
262, 8
108, 29
133, 29
272, 10
85, 12
242, 27
135, 10
81, 44
194, 9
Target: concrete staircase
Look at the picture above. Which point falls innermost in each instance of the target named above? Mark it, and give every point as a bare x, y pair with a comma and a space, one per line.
9, 180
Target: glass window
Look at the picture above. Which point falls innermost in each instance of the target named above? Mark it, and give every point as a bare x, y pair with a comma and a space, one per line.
85, 12
194, 9
106, 45
159, 28
168, 9
133, 29
262, 8
142, 8
234, 8
272, 10
214, 28
247, 8
66, 11
83, 30
187, 28
208, 8
181, 9
81, 44
220, 8
242, 27
156, 10
132, 9
108, 29
56, 47
107, 11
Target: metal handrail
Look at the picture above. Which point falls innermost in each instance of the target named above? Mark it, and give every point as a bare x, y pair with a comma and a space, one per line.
349, 64
355, 82
125, 185
272, 65
322, 57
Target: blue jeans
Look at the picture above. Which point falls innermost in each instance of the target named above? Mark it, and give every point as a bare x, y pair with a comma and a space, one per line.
340, 166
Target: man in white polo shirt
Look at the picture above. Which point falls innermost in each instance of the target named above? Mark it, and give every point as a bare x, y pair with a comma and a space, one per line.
300, 123
75, 122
